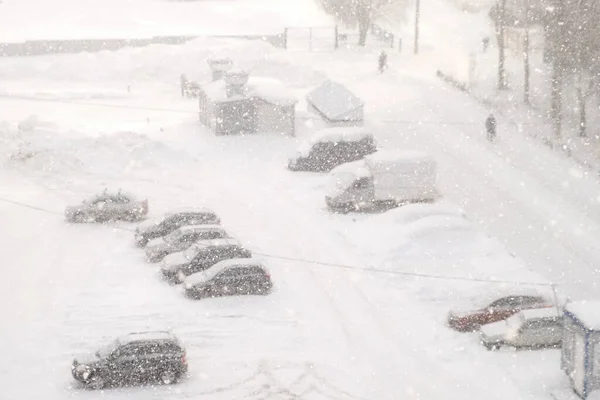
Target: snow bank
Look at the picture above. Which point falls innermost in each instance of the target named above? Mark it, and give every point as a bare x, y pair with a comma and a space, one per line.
156, 62
36, 147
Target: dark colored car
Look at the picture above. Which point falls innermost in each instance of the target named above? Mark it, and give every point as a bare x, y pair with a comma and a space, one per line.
200, 256
497, 310
181, 239
174, 220
137, 358
332, 147
229, 278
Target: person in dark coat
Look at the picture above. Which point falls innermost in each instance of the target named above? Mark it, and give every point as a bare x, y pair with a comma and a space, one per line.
490, 127
382, 62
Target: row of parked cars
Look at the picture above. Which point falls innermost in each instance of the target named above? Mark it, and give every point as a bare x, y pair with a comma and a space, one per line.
363, 177
193, 249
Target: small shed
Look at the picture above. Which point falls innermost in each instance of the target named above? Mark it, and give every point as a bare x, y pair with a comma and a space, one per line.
336, 104
580, 358
240, 104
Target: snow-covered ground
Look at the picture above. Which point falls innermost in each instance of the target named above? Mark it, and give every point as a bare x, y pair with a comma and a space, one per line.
360, 302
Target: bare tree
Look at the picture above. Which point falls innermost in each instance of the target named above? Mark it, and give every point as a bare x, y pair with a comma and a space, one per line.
359, 12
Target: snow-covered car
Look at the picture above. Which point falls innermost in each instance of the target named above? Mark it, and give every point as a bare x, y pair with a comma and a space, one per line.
169, 222
331, 147
242, 276
108, 207
133, 359
494, 310
537, 328
200, 256
181, 239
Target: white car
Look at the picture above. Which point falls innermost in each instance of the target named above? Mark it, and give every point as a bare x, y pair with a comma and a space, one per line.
169, 222
181, 239
108, 207
536, 328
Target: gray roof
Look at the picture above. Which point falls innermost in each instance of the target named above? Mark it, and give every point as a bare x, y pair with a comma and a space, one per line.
333, 100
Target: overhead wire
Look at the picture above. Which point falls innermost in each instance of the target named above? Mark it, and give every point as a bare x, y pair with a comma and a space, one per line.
334, 265
172, 110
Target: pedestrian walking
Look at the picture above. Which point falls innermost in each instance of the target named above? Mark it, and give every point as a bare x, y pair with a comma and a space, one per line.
184, 85
490, 127
383, 63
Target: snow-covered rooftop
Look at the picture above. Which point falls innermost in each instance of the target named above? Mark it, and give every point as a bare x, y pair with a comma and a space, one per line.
270, 90
333, 100
341, 134
587, 312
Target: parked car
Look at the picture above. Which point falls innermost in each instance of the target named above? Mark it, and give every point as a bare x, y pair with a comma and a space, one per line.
108, 207
536, 329
169, 222
240, 276
136, 358
331, 147
382, 181
494, 311
200, 256
181, 239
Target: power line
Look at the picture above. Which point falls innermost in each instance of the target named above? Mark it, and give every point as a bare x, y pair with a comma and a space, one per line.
335, 265
171, 110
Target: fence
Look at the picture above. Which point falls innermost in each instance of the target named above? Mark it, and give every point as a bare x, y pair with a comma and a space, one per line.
311, 39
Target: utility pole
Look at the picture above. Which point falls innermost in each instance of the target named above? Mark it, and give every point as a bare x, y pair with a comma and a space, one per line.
501, 33
527, 72
417, 17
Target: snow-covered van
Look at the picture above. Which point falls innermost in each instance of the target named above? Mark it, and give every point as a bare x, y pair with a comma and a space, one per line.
383, 180
331, 147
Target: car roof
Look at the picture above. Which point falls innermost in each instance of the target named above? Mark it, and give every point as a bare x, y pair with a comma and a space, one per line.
147, 336
537, 313
190, 210
216, 243
224, 265
200, 228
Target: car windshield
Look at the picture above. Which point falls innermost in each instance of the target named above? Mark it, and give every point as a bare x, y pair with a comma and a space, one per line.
191, 252
107, 350
174, 236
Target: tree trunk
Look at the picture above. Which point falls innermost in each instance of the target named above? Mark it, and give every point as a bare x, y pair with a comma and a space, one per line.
526, 66
556, 108
364, 23
501, 32
582, 113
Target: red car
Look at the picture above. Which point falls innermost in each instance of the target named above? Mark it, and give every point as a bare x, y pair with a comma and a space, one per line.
497, 310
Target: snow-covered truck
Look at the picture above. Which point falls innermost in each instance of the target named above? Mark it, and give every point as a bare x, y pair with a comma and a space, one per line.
382, 181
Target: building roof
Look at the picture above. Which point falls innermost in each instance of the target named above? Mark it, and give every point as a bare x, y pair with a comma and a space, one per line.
587, 312
333, 100
269, 90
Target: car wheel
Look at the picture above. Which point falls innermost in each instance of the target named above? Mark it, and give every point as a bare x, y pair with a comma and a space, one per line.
96, 382
492, 347
168, 377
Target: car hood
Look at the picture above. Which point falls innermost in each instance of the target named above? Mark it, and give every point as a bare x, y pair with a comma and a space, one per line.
173, 261
148, 226
495, 331
86, 359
